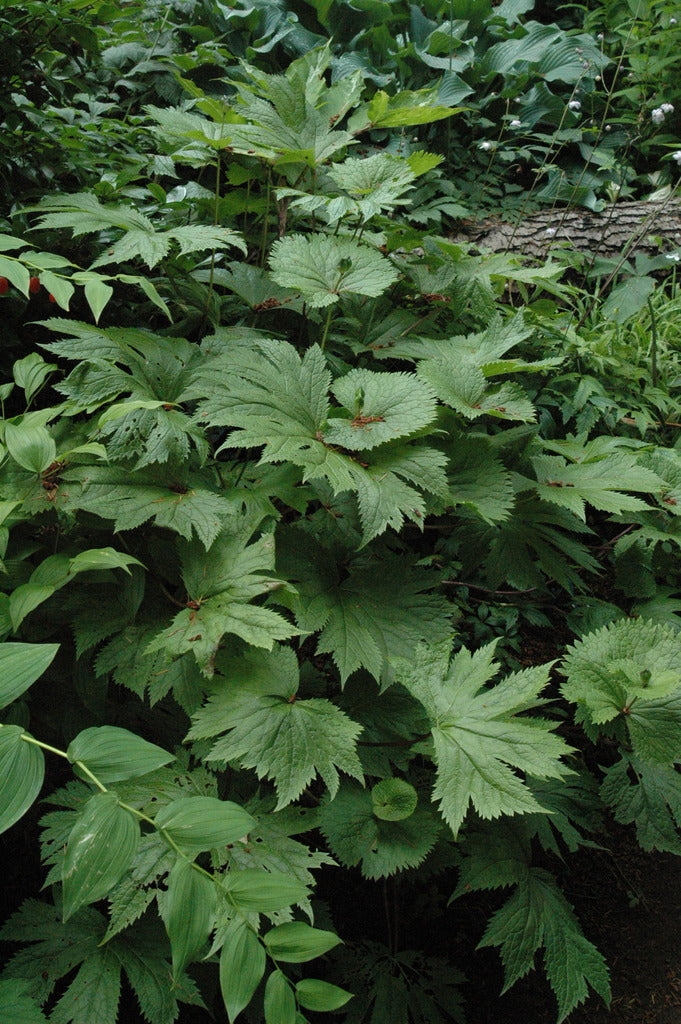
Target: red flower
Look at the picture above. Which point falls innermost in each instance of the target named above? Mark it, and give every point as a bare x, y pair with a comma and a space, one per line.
34, 285
4, 285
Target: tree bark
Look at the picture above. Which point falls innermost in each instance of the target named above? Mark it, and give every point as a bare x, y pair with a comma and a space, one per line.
620, 228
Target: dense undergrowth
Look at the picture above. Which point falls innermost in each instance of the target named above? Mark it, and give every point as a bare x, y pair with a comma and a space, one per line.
291, 483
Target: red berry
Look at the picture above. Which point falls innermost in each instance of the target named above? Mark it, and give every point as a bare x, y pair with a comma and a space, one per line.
51, 297
34, 285
4, 285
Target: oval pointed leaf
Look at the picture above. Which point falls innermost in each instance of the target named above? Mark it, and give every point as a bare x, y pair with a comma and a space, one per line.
22, 768
189, 913
242, 965
320, 995
20, 666
264, 891
113, 754
33, 448
99, 851
280, 1002
296, 942
199, 823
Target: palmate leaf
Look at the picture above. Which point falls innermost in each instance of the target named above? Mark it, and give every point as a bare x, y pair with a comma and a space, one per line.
630, 668
323, 268
649, 796
221, 582
369, 611
84, 214
533, 543
357, 836
16, 1006
536, 915
54, 949
379, 407
280, 402
131, 498
479, 740
464, 387
268, 728
601, 484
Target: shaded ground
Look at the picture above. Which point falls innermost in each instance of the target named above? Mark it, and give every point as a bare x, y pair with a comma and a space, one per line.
630, 907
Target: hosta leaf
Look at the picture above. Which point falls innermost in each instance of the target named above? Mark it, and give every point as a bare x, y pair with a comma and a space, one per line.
280, 1001
263, 891
479, 740
323, 268
296, 942
22, 768
320, 995
100, 850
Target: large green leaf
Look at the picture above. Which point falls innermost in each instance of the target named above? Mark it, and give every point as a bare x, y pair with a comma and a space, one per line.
199, 823
284, 738
100, 849
356, 835
242, 965
16, 1006
113, 754
323, 268
20, 666
538, 914
188, 912
296, 942
22, 768
631, 668
480, 742
280, 1001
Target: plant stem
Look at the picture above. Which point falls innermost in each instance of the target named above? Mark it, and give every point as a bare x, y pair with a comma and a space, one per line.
325, 335
653, 343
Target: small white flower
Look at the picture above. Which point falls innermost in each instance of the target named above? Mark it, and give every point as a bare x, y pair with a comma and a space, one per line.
574, 105
515, 123
657, 115
550, 232
608, 127
485, 145
600, 37
673, 256
677, 156
667, 108
672, 21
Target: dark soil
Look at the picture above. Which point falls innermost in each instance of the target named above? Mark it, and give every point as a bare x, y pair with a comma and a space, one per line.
629, 903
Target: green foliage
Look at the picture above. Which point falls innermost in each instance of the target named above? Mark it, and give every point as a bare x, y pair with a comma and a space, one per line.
291, 437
